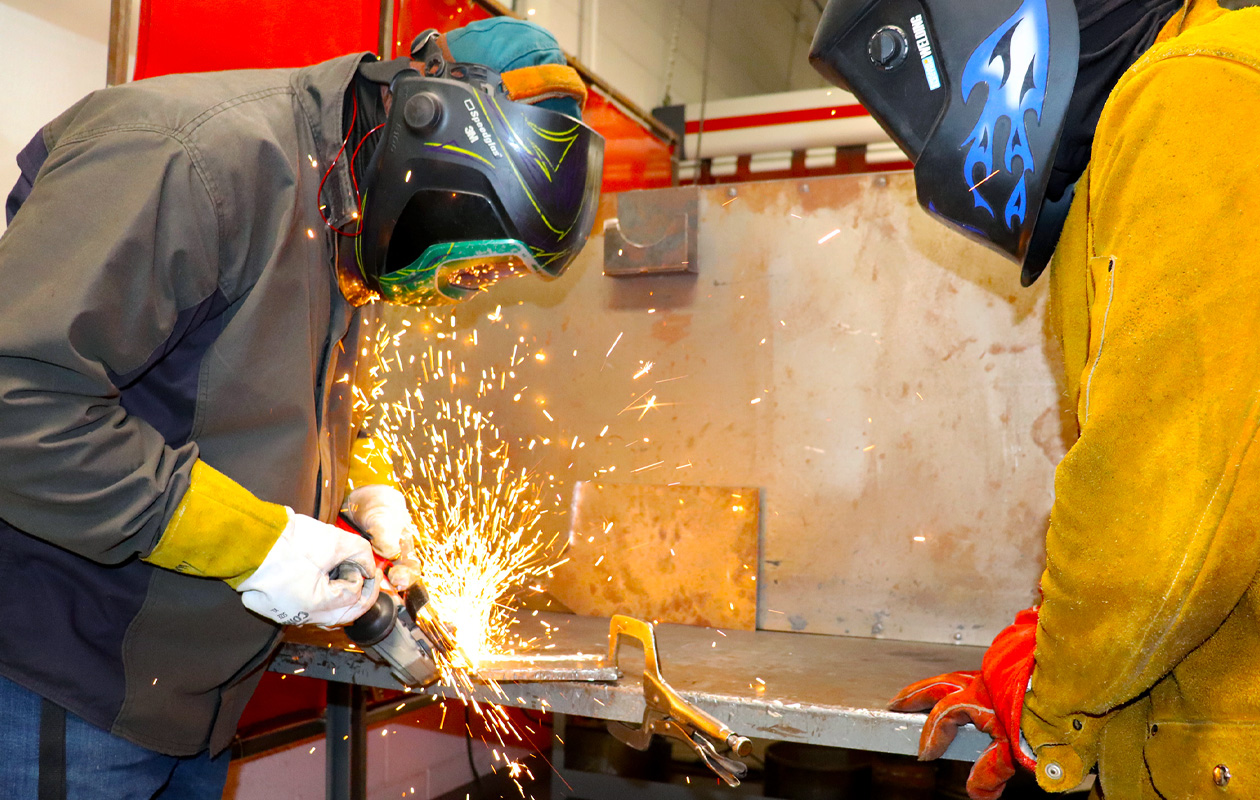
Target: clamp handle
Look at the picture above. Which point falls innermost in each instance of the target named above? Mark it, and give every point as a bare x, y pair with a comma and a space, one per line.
668, 714
655, 724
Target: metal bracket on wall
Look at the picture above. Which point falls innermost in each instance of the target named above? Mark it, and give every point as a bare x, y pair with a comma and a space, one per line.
633, 242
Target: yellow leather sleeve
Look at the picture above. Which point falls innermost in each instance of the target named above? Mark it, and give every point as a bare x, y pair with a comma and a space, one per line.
1152, 539
370, 463
219, 529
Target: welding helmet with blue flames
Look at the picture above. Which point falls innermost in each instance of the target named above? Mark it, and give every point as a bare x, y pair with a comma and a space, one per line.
976, 94
468, 186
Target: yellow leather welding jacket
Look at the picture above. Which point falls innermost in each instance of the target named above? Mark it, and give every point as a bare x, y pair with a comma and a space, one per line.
1148, 649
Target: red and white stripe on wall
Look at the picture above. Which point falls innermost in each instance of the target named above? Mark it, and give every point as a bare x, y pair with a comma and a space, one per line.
751, 136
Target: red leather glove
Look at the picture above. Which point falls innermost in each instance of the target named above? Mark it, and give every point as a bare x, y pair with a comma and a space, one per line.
992, 699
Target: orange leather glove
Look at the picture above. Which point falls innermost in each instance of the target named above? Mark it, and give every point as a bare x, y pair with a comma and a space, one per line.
991, 699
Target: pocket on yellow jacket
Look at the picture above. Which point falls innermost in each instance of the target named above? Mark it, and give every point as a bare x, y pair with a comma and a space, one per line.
1204, 759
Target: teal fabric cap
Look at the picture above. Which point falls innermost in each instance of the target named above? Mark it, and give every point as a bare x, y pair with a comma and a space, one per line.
504, 44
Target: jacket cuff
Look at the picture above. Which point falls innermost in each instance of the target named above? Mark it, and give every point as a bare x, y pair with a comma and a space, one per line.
219, 529
370, 463
1066, 747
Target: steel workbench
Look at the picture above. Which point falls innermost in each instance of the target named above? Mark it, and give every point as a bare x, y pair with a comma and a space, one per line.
824, 690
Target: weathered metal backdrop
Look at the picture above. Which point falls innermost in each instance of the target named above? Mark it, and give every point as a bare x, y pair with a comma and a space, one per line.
884, 382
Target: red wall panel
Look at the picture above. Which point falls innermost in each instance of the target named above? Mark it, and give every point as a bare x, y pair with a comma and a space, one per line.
634, 158
212, 35
207, 35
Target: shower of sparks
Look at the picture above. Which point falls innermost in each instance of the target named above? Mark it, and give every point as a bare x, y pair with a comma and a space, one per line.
479, 515
829, 236
480, 500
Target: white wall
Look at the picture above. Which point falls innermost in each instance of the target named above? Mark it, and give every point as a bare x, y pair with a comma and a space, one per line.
756, 46
52, 52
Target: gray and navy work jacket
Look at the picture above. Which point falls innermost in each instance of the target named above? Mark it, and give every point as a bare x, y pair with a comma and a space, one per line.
168, 292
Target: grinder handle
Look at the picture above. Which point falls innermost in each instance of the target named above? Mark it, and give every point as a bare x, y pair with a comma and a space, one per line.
375, 623
346, 524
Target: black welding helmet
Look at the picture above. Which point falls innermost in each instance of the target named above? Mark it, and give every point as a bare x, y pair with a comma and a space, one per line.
976, 94
468, 187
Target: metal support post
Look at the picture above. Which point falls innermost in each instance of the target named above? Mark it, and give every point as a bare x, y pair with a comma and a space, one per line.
119, 42
385, 43
557, 757
346, 742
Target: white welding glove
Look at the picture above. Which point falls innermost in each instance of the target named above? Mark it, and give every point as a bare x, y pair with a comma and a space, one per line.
405, 572
295, 584
381, 512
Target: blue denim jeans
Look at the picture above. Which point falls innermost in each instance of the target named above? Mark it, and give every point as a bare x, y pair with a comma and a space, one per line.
99, 765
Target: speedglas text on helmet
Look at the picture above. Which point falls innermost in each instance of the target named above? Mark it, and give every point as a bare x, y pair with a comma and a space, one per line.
1012, 64
481, 127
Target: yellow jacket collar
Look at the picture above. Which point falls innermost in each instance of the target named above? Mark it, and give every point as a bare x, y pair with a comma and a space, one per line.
1192, 14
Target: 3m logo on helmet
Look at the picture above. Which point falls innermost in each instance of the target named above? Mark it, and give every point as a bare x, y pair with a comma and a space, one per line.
481, 127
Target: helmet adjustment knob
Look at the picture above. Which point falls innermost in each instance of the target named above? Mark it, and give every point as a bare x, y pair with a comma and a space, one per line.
422, 111
888, 47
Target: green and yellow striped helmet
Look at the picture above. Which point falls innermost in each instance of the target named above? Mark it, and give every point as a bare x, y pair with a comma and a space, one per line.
468, 187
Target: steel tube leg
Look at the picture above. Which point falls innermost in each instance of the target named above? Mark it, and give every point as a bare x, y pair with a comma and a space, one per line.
559, 734
346, 742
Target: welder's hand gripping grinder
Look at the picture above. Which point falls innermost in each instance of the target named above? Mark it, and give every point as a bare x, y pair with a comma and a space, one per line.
401, 631
667, 714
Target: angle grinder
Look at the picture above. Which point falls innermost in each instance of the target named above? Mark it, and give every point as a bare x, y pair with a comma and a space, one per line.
401, 630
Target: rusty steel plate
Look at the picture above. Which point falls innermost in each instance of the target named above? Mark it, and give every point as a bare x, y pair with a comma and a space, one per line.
684, 554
